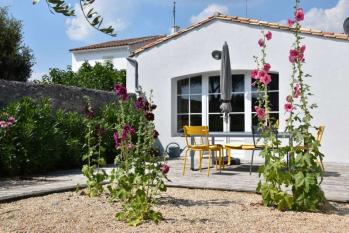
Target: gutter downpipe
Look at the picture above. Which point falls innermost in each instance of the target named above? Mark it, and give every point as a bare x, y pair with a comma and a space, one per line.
135, 64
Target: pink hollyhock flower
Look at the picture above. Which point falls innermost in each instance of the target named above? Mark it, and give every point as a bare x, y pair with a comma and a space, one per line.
265, 79
11, 119
302, 49
261, 42
294, 54
289, 98
297, 91
254, 74
164, 169
3, 124
299, 14
127, 130
139, 103
121, 91
266, 67
288, 107
290, 22
269, 35
117, 140
262, 74
260, 112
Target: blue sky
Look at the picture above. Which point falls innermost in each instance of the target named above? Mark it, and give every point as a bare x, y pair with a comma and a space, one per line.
51, 36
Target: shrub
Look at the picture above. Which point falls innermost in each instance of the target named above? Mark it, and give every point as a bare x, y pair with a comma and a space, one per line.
100, 76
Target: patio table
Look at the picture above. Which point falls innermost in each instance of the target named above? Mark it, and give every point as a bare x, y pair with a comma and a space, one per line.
214, 135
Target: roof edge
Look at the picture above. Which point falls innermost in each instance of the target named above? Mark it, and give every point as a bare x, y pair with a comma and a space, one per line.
245, 21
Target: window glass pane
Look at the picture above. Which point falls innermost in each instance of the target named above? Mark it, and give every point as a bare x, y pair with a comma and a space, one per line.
214, 103
274, 101
273, 98
237, 122
195, 85
214, 84
182, 120
183, 86
238, 83
216, 123
195, 103
183, 104
237, 103
273, 85
195, 120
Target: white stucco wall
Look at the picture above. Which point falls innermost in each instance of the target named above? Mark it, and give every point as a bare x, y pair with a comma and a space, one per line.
191, 53
116, 55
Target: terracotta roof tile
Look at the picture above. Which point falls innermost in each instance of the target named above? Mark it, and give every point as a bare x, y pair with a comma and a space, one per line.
119, 43
245, 21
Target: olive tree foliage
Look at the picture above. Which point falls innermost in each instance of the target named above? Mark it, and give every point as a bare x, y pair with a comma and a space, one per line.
91, 16
16, 59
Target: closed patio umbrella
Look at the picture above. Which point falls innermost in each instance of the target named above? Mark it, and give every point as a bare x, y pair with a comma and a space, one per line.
225, 82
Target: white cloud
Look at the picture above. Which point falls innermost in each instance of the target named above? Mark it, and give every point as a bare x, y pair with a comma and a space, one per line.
330, 20
115, 13
209, 11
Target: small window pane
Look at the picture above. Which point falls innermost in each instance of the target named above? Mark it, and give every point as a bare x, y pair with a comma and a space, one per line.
183, 86
195, 85
182, 120
216, 123
196, 120
238, 83
214, 103
273, 98
183, 104
214, 84
237, 103
195, 103
274, 85
274, 101
237, 122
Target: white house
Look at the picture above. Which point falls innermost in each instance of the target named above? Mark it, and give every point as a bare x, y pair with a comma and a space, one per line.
116, 51
180, 70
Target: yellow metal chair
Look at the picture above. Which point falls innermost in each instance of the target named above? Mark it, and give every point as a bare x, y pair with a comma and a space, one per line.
204, 145
247, 147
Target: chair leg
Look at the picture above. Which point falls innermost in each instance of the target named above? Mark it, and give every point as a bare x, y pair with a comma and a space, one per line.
200, 160
229, 156
222, 157
251, 162
209, 163
185, 161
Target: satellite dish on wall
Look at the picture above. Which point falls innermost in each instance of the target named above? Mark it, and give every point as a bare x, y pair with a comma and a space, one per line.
346, 26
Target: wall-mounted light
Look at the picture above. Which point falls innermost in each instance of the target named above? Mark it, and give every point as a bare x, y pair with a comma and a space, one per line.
217, 54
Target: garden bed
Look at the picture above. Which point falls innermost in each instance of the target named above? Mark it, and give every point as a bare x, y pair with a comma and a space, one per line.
184, 210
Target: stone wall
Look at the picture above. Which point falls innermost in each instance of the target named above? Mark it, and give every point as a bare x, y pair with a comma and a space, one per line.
68, 98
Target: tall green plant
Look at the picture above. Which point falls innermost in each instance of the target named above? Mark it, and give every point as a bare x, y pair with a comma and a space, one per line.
303, 174
304, 148
137, 179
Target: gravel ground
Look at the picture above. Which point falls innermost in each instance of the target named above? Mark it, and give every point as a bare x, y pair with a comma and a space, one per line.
185, 210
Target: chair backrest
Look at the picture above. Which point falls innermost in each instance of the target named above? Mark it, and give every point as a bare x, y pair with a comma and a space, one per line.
320, 133
198, 131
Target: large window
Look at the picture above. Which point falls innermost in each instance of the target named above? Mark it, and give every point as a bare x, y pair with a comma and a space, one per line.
273, 92
237, 116
189, 102
198, 101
